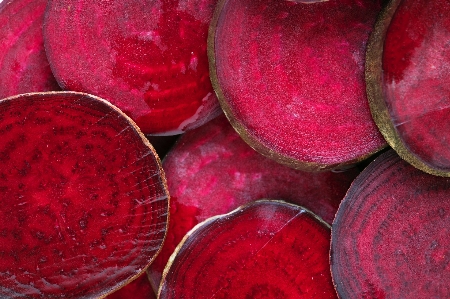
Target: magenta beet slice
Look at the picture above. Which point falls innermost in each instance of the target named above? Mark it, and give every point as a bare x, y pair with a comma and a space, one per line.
146, 57
267, 249
137, 289
390, 235
23, 64
408, 77
84, 198
290, 77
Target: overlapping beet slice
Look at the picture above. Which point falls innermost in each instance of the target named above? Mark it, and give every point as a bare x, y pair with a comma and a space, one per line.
84, 198
290, 77
267, 249
23, 64
407, 81
390, 235
147, 57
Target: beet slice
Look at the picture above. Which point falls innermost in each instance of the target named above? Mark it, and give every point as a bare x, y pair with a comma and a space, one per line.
268, 249
139, 288
84, 198
290, 77
407, 77
390, 235
147, 57
23, 64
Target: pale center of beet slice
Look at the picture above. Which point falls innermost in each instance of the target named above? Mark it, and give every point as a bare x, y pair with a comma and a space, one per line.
84, 202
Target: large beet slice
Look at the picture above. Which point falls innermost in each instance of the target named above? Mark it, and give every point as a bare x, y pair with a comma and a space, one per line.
23, 64
390, 235
290, 77
146, 57
407, 81
267, 249
84, 198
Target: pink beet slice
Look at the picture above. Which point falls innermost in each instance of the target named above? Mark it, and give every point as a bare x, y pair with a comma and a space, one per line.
84, 198
290, 77
390, 235
139, 288
267, 249
146, 57
212, 171
23, 64
408, 77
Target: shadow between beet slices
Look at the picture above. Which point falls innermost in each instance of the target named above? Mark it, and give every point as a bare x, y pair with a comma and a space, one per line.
84, 198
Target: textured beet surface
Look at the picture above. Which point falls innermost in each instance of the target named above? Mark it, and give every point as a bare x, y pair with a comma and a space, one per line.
212, 171
265, 250
23, 64
84, 202
390, 235
291, 77
137, 289
147, 57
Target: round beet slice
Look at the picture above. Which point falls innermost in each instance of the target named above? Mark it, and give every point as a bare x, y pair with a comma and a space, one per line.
290, 77
407, 75
23, 64
146, 57
390, 234
84, 199
268, 249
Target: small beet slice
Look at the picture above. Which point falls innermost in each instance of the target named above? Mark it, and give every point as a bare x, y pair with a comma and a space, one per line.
23, 64
139, 288
268, 249
290, 77
407, 81
84, 198
146, 57
390, 235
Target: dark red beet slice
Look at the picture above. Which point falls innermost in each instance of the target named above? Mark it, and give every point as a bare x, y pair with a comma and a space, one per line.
23, 64
407, 81
147, 57
290, 77
390, 235
137, 289
84, 198
267, 249
212, 171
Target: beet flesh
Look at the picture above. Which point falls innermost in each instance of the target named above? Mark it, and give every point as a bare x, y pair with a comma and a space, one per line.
267, 249
23, 64
84, 200
390, 234
290, 77
146, 57
139, 288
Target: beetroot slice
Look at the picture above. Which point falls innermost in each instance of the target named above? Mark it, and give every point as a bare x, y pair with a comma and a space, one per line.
390, 235
407, 76
139, 288
23, 64
290, 77
212, 171
84, 198
147, 57
267, 249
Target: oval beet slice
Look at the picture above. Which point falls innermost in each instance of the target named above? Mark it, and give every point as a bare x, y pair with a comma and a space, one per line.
390, 235
146, 57
268, 249
84, 198
23, 64
407, 81
290, 77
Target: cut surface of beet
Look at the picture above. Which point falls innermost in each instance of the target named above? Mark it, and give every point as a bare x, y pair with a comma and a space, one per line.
139, 288
268, 249
212, 171
84, 198
23, 64
146, 57
390, 234
407, 80
290, 77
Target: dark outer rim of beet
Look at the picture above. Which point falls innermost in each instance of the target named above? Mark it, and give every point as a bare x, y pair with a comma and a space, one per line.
144, 140
213, 218
374, 87
251, 140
